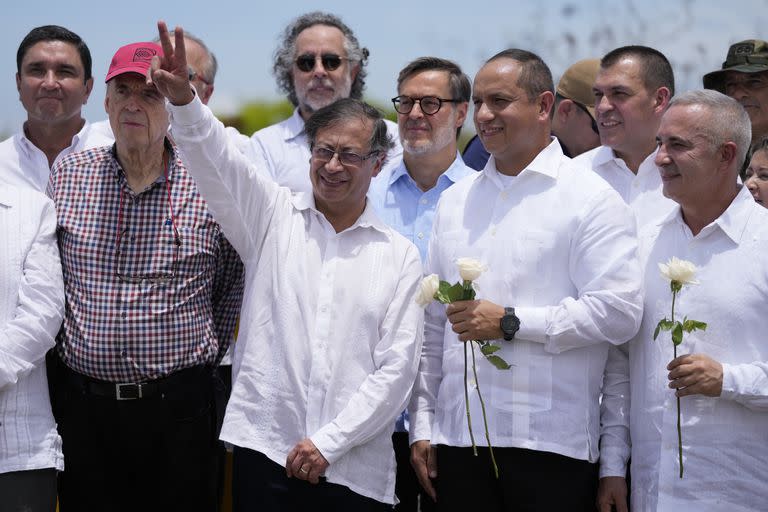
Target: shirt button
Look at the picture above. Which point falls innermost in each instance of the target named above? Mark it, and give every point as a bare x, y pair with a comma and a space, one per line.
124, 353
323, 308
503, 195
493, 231
123, 314
420, 236
423, 200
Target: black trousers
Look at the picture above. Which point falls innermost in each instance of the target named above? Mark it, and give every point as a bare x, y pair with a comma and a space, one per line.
529, 481
260, 485
28, 491
407, 487
151, 454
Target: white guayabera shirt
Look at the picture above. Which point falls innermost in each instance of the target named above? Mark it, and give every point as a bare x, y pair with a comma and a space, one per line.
641, 191
560, 247
725, 439
330, 335
282, 152
31, 309
23, 164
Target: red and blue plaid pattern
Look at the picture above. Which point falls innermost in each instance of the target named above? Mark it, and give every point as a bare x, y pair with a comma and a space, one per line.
183, 314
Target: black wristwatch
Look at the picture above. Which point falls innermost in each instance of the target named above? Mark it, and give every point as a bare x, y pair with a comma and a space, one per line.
509, 324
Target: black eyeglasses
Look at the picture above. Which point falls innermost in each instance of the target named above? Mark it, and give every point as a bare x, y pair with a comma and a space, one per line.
306, 62
594, 123
174, 240
347, 158
429, 104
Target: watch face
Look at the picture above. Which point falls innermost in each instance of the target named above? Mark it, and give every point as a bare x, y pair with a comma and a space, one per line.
510, 324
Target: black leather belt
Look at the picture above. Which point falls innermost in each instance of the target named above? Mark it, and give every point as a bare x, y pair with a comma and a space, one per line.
184, 381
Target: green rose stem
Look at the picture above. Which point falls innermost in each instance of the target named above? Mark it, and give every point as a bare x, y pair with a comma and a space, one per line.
676, 287
469, 294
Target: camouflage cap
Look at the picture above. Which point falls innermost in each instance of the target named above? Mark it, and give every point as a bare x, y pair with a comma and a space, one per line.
750, 56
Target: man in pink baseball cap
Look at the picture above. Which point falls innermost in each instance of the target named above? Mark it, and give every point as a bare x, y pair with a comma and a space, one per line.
153, 290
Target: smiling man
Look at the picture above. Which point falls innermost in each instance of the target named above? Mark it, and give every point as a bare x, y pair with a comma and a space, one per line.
319, 61
53, 77
330, 333
562, 285
632, 90
721, 374
431, 105
153, 290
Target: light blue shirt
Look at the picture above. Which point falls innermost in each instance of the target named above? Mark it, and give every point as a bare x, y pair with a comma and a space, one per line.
401, 204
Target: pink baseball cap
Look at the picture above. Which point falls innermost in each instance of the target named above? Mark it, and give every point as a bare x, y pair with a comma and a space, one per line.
133, 58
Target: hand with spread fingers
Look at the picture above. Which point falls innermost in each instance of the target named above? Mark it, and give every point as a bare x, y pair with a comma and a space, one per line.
475, 319
170, 73
424, 462
305, 462
696, 374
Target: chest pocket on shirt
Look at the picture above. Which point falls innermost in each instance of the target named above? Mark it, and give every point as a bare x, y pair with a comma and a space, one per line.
534, 258
198, 250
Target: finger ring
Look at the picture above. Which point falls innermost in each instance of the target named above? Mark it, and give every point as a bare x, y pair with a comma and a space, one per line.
303, 470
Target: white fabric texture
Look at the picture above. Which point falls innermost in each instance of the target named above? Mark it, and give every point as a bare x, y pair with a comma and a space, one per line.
23, 164
31, 310
725, 439
561, 248
330, 335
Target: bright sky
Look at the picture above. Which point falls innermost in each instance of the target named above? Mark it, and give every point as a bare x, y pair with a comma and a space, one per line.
694, 34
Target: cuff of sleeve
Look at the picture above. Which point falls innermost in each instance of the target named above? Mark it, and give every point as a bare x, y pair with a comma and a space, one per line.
612, 464
324, 441
420, 428
186, 115
11, 367
533, 324
729, 391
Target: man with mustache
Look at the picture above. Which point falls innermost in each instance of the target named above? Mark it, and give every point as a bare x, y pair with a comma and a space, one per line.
53, 77
318, 62
744, 77
432, 102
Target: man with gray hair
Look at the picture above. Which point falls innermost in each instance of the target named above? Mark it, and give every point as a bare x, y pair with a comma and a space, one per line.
319, 61
330, 337
722, 377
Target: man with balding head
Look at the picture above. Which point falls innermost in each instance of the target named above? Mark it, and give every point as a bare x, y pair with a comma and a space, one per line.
721, 374
561, 286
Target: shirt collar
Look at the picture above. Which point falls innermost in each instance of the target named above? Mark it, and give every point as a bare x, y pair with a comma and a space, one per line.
294, 126
547, 162
26, 145
174, 163
732, 222
605, 155
455, 172
368, 219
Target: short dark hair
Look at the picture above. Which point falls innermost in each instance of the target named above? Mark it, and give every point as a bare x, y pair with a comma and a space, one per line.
285, 54
761, 145
461, 89
346, 109
535, 76
656, 69
55, 33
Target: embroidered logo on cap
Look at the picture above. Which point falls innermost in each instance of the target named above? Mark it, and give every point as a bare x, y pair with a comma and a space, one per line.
743, 49
144, 54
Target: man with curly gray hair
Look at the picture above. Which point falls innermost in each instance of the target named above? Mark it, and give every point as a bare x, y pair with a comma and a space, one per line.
318, 61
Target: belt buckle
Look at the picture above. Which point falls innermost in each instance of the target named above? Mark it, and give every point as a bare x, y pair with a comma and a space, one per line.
119, 391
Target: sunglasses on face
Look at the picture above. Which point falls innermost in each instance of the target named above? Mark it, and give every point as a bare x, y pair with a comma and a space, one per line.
330, 61
594, 123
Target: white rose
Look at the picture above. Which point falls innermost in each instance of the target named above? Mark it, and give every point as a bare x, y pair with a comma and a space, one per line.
679, 271
427, 290
469, 268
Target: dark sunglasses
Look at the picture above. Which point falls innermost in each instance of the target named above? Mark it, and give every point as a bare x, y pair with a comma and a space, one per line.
594, 123
306, 62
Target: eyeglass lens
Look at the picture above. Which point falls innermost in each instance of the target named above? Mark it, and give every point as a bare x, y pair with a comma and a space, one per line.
306, 63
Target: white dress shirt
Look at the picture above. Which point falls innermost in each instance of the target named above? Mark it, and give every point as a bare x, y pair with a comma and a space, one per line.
561, 248
23, 164
725, 439
31, 309
330, 336
642, 191
283, 152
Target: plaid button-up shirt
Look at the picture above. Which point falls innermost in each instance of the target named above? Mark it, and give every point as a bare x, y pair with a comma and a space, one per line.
150, 306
